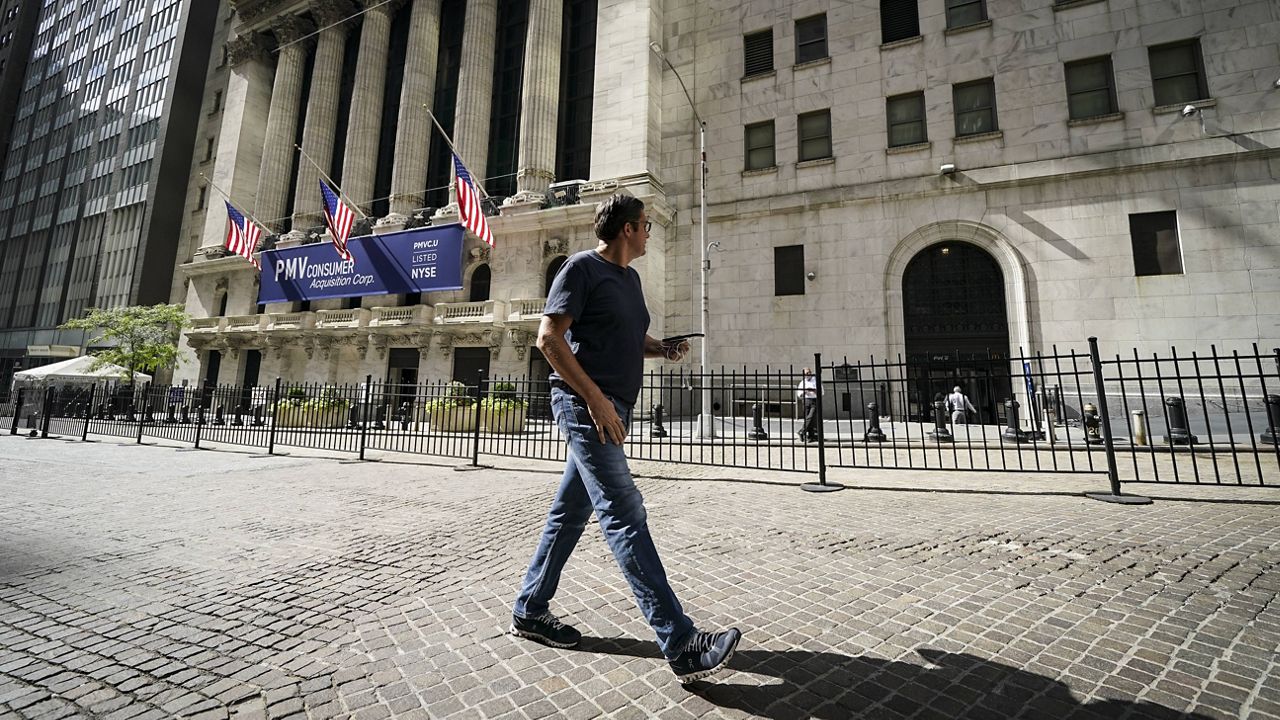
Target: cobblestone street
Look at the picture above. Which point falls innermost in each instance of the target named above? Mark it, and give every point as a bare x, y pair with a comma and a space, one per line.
151, 582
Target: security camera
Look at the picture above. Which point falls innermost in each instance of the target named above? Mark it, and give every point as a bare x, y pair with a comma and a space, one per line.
946, 169
1190, 110
811, 275
1277, 83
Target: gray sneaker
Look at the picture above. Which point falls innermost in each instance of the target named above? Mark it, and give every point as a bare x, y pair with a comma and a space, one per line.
705, 654
546, 629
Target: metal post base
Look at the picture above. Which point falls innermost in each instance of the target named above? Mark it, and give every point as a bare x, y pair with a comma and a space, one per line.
820, 487
874, 435
941, 436
1119, 499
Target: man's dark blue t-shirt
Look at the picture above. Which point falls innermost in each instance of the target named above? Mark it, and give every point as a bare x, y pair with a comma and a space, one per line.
609, 321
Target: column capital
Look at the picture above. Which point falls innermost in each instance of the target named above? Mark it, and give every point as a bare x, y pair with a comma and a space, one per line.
250, 47
290, 28
386, 8
329, 12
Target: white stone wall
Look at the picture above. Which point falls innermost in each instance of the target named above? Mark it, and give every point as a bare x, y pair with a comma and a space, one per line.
1052, 197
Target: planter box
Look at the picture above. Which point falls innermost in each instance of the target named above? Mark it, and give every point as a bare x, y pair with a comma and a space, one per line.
453, 419
292, 416
504, 421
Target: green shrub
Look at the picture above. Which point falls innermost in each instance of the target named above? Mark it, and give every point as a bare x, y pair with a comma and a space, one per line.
455, 395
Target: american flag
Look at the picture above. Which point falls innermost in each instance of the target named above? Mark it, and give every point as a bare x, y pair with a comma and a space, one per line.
242, 235
339, 218
469, 204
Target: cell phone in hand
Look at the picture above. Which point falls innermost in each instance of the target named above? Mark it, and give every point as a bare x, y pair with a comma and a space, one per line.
677, 339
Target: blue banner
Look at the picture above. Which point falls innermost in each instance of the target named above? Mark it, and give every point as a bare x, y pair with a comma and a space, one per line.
420, 260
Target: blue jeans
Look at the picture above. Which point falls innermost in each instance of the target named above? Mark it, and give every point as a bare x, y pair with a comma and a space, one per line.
596, 476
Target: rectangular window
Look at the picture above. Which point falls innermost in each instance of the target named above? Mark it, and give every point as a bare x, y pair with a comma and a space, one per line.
1156, 250
208, 149
975, 107
1177, 72
899, 20
906, 119
811, 39
202, 197
815, 135
961, 13
757, 53
216, 105
1091, 88
758, 146
788, 270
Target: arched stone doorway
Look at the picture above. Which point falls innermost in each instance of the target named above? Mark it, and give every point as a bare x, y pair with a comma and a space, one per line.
955, 328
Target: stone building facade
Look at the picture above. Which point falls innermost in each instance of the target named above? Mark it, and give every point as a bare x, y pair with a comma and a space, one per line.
946, 180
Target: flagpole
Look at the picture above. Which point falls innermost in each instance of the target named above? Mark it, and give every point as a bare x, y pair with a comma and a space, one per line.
452, 149
228, 197
329, 180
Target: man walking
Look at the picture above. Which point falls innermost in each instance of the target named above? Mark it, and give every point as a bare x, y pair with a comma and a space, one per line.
808, 391
594, 335
960, 405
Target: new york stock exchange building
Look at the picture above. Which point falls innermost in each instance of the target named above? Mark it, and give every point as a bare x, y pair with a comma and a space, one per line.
926, 179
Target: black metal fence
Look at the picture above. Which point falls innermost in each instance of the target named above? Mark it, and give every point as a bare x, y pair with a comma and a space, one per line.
1190, 419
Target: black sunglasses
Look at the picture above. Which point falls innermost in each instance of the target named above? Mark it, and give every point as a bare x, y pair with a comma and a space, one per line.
648, 224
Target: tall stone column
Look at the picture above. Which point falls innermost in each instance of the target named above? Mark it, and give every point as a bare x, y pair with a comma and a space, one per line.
242, 134
413, 128
282, 121
363, 127
539, 102
475, 92
322, 110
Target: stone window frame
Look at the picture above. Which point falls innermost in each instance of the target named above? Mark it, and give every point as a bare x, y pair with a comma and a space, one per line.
1110, 87
951, 5
957, 88
1153, 253
747, 147
788, 270
753, 47
918, 99
802, 139
803, 24
1197, 59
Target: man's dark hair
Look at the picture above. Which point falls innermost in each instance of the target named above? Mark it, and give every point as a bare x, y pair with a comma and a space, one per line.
613, 213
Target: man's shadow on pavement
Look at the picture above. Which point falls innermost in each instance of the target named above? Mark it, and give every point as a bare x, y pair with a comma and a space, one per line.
837, 687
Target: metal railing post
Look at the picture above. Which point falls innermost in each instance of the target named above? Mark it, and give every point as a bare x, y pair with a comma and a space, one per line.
822, 485
475, 438
17, 410
364, 426
1113, 471
200, 391
88, 415
274, 404
45, 411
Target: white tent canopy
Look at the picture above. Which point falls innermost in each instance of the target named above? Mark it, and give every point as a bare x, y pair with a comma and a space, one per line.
77, 370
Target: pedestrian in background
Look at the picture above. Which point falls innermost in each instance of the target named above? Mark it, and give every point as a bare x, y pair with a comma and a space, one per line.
808, 391
959, 404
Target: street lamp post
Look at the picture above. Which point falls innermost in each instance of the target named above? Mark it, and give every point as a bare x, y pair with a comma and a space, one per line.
705, 426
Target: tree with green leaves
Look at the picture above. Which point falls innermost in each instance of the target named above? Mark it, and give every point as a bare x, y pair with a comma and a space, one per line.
142, 338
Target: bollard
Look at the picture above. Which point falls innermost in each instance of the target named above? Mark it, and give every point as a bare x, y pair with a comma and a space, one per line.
404, 415
1179, 432
237, 418
1091, 423
1272, 434
170, 416
353, 416
757, 423
218, 418
379, 414
940, 432
199, 413
17, 411
657, 430
1013, 432
874, 433
184, 415
1139, 427
257, 416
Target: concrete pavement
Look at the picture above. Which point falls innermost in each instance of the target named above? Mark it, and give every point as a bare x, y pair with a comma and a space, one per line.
145, 581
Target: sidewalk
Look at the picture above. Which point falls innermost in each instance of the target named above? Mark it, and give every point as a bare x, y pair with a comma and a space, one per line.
150, 582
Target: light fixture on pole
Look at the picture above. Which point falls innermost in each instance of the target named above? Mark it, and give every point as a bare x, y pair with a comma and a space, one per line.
705, 428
